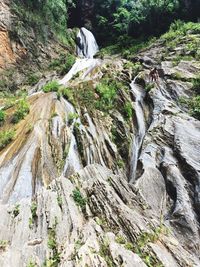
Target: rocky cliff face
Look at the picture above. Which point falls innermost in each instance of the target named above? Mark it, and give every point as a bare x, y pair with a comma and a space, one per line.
84, 185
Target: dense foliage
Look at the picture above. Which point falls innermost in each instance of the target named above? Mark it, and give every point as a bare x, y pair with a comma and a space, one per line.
134, 18
45, 14
141, 17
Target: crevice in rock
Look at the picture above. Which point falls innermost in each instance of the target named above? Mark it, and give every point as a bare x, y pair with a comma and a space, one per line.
170, 188
191, 176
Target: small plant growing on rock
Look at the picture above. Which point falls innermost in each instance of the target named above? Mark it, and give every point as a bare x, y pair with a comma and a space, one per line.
129, 246
6, 137
34, 209
52, 86
194, 105
128, 110
3, 245
79, 199
2, 117
33, 79
54, 114
16, 210
149, 86
32, 263
196, 85
22, 110
54, 260
105, 253
33, 214
63, 64
72, 117
60, 201
120, 239
120, 163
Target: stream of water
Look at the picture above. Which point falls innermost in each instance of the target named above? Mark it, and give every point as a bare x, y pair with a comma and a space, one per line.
139, 95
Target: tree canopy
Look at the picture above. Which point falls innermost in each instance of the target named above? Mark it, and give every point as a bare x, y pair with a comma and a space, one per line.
141, 17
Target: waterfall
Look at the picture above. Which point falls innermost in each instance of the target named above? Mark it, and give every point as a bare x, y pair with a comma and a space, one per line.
72, 162
86, 48
139, 94
86, 44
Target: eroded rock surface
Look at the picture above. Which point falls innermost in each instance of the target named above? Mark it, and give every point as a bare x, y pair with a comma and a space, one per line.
66, 201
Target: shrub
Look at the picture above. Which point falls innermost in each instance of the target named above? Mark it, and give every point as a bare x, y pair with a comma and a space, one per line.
2, 116
34, 209
194, 105
120, 239
16, 210
70, 60
196, 85
6, 137
179, 29
33, 79
31, 263
21, 111
52, 86
79, 199
107, 92
149, 86
72, 117
128, 110
67, 93
54, 260
3, 245
63, 64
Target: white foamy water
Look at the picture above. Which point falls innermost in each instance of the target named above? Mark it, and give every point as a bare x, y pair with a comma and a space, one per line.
87, 46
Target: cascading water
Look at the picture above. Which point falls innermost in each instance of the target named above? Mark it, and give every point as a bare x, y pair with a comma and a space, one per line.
86, 44
72, 162
86, 48
139, 94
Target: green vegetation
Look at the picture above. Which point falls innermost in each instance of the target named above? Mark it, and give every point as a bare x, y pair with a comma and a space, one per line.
120, 163
68, 94
196, 85
120, 239
72, 117
194, 105
122, 142
16, 210
33, 214
178, 32
140, 246
108, 94
129, 246
128, 48
6, 137
140, 18
54, 114
79, 199
60, 201
52, 86
128, 110
32, 79
32, 263
42, 16
3, 245
2, 117
63, 64
54, 259
149, 86
106, 254
22, 109
180, 29
34, 209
